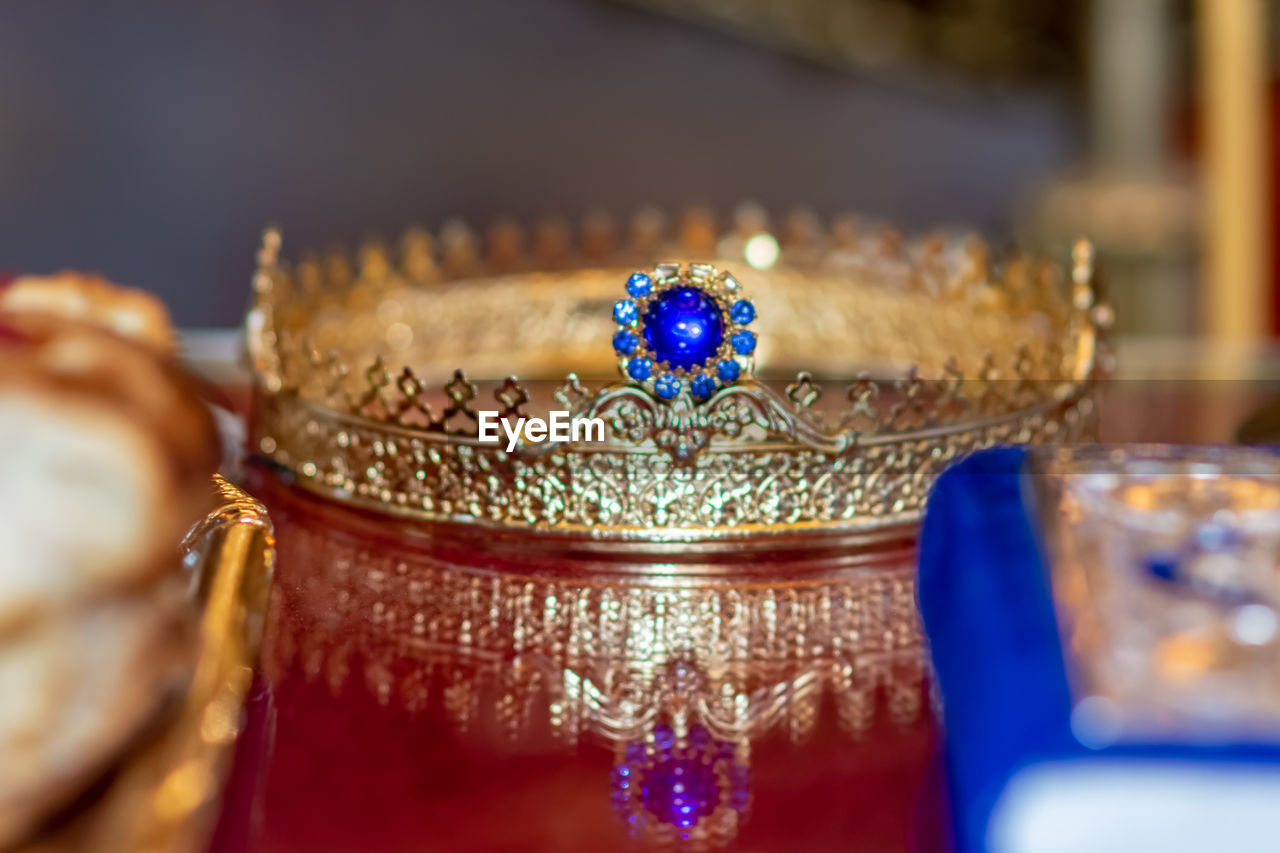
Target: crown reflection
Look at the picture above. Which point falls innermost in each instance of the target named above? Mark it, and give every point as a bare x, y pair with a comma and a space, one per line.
678, 675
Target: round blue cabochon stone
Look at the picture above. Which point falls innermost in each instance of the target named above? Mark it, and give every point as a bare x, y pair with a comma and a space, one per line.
683, 327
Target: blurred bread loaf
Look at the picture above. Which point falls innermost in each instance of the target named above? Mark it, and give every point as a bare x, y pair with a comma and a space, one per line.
106, 453
91, 299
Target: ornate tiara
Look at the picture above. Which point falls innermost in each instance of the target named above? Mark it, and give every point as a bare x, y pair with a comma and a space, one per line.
932, 348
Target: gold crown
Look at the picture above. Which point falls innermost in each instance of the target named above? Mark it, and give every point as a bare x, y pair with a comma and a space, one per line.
934, 349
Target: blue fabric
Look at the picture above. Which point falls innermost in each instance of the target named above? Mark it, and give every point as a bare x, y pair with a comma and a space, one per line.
988, 612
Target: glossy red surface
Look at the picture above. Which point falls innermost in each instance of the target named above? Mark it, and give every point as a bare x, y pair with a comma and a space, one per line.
362, 738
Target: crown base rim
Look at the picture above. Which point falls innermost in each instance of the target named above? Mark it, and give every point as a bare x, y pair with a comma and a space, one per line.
857, 531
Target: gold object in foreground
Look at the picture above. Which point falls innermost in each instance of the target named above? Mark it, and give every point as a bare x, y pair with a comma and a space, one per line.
930, 349
164, 795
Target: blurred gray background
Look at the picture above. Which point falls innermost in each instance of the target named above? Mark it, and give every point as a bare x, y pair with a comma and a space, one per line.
151, 141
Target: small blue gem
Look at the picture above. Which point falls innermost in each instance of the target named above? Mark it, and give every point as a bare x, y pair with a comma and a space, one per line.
742, 312
1162, 565
744, 342
1214, 537
728, 370
639, 369
702, 386
667, 386
625, 313
665, 738
638, 285
625, 343
683, 327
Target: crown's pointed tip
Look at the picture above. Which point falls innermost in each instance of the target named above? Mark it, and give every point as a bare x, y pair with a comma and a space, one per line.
1082, 258
269, 251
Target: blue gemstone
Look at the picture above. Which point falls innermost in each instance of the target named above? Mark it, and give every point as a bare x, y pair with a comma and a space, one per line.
683, 327
728, 370
702, 386
639, 369
742, 312
667, 386
625, 313
638, 285
625, 343
1163, 565
744, 342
